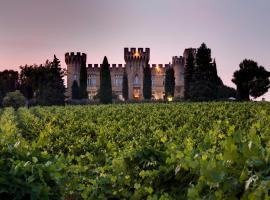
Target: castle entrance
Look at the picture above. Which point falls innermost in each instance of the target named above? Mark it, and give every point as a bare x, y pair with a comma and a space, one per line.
136, 93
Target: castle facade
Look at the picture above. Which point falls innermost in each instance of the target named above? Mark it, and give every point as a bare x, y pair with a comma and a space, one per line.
135, 61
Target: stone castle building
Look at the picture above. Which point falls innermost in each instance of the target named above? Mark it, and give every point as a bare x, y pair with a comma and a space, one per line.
135, 61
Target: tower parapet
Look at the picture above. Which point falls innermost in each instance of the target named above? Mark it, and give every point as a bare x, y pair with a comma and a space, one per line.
177, 60
73, 58
74, 63
139, 54
187, 51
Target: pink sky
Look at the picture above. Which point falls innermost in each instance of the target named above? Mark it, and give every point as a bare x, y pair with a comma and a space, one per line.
33, 30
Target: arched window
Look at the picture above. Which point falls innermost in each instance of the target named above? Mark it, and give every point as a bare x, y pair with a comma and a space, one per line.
92, 80
136, 80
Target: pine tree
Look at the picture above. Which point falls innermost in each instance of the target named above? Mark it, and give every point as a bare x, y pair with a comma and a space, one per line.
125, 86
58, 87
189, 72
204, 84
169, 83
105, 82
147, 82
75, 90
83, 81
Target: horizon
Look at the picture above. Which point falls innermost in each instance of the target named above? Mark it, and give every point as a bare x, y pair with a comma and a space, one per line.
36, 30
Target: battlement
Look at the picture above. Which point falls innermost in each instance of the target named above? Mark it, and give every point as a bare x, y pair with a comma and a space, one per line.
177, 60
112, 66
72, 57
139, 54
188, 50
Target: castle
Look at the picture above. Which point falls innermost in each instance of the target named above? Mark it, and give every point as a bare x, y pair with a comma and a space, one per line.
135, 61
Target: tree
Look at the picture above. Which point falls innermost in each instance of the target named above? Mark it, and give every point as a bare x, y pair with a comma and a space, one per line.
105, 82
205, 81
188, 74
28, 80
56, 84
44, 83
147, 82
251, 80
169, 83
8, 82
75, 90
125, 86
14, 99
83, 81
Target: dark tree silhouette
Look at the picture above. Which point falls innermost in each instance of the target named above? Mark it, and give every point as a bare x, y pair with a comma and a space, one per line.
8, 82
147, 82
83, 81
251, 80
105, 82
125, 86
189, 71
57, 89
169, 82
205, 81
75, 91
28, 81
44, 83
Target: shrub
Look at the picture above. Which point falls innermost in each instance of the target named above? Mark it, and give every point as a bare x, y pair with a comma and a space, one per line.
14, 99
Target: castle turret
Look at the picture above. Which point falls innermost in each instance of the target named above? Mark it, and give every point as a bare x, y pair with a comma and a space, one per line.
178, 66
74, 62
136, 60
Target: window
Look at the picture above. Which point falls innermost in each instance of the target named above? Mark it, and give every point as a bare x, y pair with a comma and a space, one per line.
92, 80
182, 76
153, 80
118, 79
136, 80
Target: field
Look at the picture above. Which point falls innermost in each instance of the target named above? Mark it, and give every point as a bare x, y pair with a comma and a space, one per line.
136, 151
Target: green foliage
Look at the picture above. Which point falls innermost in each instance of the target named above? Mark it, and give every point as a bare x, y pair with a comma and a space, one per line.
14, 99
105, 83
251, 80
26, 173
169, 83
125, 86
136, 151
147, 82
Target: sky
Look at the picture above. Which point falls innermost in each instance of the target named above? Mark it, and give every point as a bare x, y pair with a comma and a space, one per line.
32, 31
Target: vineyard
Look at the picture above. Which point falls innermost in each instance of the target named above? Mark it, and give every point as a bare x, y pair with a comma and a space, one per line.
136, 151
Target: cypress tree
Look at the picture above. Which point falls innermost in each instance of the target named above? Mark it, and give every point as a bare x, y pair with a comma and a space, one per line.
105, 82
188, 74
169, 82
58, 87
75, 90
125, 86
83, 81
147, 82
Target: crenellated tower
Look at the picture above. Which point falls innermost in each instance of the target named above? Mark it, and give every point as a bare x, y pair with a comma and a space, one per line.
74, 62
136, 60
